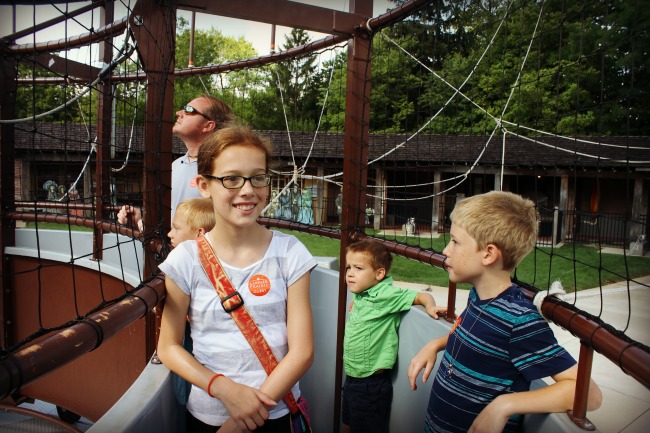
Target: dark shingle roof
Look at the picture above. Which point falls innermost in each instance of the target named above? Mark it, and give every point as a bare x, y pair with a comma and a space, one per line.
431, 149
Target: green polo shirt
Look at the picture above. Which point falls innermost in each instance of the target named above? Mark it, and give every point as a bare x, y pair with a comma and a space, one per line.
370, 342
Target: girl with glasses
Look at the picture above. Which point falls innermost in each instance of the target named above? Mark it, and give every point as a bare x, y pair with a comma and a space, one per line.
270, 270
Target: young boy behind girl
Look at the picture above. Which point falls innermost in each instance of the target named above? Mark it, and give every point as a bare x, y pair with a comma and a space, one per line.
371, 341
500, 343
193, 216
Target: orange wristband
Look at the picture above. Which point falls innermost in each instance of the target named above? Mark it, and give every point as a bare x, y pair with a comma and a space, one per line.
210, 383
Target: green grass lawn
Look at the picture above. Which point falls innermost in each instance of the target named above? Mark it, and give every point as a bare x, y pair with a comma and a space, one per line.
576, 266
579, 266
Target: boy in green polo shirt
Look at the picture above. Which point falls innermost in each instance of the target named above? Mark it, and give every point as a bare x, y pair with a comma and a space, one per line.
370, 343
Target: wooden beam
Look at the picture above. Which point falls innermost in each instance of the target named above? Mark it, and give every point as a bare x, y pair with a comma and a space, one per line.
66, 67
282, 12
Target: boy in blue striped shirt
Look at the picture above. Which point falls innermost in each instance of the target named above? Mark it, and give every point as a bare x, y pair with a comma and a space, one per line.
500, 343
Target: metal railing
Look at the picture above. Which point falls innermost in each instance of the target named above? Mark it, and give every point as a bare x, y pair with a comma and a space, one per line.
608, 229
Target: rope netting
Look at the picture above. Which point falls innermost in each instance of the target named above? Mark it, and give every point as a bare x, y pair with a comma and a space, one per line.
545, 99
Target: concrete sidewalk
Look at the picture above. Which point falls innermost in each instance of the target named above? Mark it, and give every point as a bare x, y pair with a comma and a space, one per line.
626, 403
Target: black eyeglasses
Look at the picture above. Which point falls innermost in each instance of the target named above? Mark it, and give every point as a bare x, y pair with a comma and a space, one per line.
188, 109
236, 182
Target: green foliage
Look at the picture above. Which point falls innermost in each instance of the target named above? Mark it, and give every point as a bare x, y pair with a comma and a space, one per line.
578, 267
586, 71
295, 82
211, 47
37, 99
564, 67
333, 91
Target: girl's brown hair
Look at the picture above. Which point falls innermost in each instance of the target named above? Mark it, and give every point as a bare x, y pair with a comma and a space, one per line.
231, 135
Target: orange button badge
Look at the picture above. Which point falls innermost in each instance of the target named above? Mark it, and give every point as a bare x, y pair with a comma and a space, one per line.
259, 285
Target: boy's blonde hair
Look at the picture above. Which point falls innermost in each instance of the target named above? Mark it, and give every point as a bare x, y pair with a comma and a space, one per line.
502, 218
380, 256
199, 212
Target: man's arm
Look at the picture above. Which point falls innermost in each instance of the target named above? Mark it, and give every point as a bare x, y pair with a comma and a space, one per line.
130, 215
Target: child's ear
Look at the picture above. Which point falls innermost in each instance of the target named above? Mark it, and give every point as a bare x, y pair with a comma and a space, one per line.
491, 254
202, 185
201, 231
380, 274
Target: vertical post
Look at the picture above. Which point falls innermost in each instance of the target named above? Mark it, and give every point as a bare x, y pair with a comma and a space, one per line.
437, 225
155, 32
636, 231
380, 201
563, 207
579, 413
451, 303
498, 184
8, 71
320, 213
154, 24
190, 62
355, 169
272, 47
104, 123
555, 236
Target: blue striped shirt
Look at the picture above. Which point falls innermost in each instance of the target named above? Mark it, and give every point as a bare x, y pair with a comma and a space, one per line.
499, 346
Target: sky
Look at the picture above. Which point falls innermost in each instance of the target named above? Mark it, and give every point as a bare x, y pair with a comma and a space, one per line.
259, 34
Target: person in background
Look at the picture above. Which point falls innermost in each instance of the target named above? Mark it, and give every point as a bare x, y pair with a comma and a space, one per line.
500, 343
371, 342
339, 206
271, 272
75, 198
194, 123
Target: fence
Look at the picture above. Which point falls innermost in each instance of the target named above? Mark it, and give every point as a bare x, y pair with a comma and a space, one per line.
603, 229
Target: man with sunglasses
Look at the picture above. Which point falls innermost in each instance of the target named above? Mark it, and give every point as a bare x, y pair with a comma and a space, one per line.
194, 122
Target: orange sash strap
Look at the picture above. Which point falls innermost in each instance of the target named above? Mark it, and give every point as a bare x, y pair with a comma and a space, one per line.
233, 304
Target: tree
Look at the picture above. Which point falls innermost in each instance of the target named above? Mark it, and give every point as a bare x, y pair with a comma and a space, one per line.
211, 47
295, 82
33, 100
586, 71
331, 93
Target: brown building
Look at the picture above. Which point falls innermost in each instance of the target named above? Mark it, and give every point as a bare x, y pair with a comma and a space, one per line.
586, 179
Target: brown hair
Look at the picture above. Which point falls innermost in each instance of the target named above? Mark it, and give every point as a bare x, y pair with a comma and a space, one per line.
199, 212
218, 111
231, 135
502, 218
379, 255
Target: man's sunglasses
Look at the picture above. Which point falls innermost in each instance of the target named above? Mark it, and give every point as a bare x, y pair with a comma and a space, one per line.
188, 109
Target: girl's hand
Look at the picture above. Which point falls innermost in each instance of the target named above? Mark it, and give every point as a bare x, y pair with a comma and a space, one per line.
247, 406
231, 426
